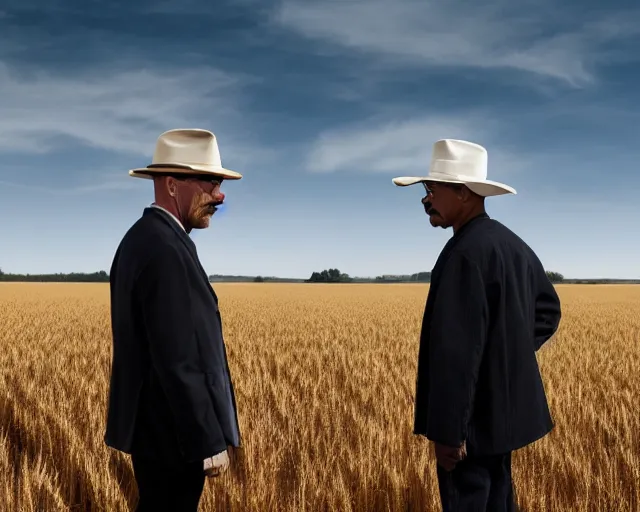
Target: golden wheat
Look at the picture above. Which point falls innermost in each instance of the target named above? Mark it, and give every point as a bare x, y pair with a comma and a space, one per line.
325, 380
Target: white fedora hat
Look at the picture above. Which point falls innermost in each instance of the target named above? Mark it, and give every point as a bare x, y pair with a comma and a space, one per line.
186, 151
459, 161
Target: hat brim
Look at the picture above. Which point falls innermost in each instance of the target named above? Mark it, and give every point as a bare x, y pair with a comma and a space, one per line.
483, 188
189, 170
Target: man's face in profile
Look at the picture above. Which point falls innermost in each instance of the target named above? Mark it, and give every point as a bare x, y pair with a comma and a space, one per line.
198, 199
441, 203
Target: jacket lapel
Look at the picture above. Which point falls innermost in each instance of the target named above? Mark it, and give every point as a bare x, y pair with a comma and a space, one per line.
186, 240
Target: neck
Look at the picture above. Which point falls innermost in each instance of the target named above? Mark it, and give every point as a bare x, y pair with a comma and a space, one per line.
171, 208
471, 214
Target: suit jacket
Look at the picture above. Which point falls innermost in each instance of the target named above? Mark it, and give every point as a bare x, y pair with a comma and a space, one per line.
490, 307
171, 397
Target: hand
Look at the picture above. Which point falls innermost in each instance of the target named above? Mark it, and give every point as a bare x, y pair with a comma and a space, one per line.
449, 456
216, 465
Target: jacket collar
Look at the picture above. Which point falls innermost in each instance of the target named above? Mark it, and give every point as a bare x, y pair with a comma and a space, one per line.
469, 223
171, 215
164, 216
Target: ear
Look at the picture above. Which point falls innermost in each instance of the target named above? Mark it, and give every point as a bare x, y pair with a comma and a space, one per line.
465, 194
171, 184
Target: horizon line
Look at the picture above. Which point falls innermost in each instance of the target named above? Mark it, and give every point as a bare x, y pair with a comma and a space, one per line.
264, 276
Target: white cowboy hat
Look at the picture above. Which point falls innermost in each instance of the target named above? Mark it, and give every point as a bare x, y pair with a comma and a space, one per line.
186, 151
459, 161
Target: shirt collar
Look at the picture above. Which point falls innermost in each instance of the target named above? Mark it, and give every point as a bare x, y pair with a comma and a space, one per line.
483, 215
170, 215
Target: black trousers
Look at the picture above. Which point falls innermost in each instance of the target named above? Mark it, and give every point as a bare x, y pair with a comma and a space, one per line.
168, 488
478, 484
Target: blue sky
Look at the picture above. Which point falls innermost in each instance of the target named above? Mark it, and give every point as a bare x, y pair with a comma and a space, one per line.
320, 104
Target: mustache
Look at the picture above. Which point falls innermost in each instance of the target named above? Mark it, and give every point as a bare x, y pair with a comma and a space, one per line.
429, 210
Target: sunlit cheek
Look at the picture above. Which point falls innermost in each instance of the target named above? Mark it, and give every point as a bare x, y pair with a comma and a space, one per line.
207, 198
201, 200
194, 208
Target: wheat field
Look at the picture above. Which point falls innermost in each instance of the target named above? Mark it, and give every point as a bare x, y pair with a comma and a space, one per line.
324, 376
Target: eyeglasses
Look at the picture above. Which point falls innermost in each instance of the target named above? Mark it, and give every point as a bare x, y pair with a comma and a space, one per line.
205, 179
207, 184
455, 186
217, 181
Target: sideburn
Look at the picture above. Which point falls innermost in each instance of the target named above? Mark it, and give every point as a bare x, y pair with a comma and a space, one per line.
183, 203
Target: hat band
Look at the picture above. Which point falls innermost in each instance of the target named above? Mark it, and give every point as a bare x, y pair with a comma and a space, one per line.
185, 165
461, 171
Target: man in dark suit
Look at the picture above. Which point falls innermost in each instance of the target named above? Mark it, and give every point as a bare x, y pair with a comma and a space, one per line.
171, 402
490, 307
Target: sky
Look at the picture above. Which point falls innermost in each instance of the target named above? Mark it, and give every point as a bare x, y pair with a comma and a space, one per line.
319, 104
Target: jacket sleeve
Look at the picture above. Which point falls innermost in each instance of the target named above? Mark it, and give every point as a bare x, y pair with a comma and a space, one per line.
166, 304
458, 333
548, 311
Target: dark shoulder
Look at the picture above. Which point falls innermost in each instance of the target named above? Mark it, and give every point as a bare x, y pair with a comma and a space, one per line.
148, 239
487, 238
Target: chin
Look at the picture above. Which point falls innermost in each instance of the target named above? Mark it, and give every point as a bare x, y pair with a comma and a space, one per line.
435, 221
438, 222
201, 222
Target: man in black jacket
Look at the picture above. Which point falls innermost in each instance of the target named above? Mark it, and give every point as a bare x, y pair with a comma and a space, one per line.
490, 307
171, 402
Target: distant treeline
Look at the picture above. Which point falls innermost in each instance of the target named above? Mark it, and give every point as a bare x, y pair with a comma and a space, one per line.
325, 276
221, 278
74, 277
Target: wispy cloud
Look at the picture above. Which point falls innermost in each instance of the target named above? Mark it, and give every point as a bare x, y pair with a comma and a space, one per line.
122, 111
190, 6
101, 182
463, 33
402, 147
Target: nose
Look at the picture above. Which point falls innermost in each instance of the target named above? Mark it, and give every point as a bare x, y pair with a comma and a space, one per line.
218, 196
